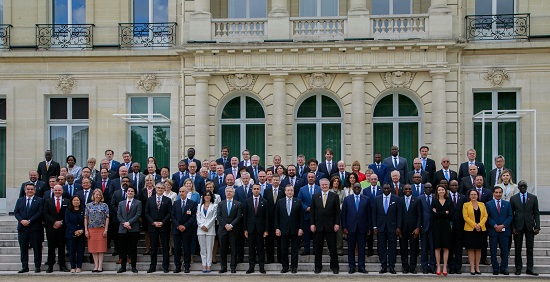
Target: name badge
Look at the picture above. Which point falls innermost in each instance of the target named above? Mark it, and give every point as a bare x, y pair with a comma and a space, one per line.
188, 212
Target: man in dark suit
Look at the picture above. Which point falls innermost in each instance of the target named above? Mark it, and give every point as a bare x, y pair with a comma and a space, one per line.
113, 165
396, 185
229, 216
325, 222
179, 175
219, 179
341, 173
127, 160
184, 226
70, 189
246, 162
197, 179
412, 223
301, 167
116, 184
387, 217
136, 177
417, 186
287, 222
526, 222
468, 182
28, 212
38, 184
118, 196
104, 164
498, 228
48, 193
427, 255
445, 172
234, 168
229, 182
329, 166
245, 191
455, 251
465, 166
495, 173
103, 182
157, 211
128, 214
152, 170
85, 195
380, 169
293, 179
305, 195
48, 167
372, 192
396, 162
255, 168
54, 215
224, 160
86, 173
272, 194
428, 165
356, 216
417, 169
313, 168
256, 228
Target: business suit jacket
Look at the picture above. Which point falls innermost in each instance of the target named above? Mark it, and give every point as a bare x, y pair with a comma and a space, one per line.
458, 219
324, 169
80, 194
226, 164
495, 218
53, 170
390, 221
439, 175
353, 219
383, 173
486, 196
272, 203
424, 174
132, 216
324, 218
34, 215
305, 197
466, 184
79, 181
207, 220
40, 188
368, 192
241, 194
186, 217
230, 171
197, 161
416, 193
256, 221
216, 182
47, 194
113, 203
469, 217
288, 224
426, 212
241, 165
234, 218
178, 179
251, 171
338, 173
141, 180
430, 168
51, 215
200, 187
402, 167
412, 218
525, 216
399, 188
493, 177
163, 214
76, 188
463, 170
112, 175
298, 183
305, 169
114, 166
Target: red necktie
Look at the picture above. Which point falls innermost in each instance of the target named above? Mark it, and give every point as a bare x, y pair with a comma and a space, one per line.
127, 207
498, 206
103, 186
397, 190
255, 205
57, 205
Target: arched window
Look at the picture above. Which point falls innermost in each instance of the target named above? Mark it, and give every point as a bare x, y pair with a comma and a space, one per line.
242, 125
396, 121
319, 126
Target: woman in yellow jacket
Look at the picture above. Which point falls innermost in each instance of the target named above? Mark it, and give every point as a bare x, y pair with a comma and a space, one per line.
475, 216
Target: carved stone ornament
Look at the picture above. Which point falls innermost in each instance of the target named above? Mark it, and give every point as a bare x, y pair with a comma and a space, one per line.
240, 81
398, 79
65, 83
318, 80
497, 77
148, 82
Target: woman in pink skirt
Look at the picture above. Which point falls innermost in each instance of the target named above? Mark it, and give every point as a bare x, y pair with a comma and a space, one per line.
96, 224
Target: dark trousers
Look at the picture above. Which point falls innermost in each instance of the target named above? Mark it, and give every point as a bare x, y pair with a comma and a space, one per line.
112, 233
128, 247
370, 242
307, 235
34, 239
256, 247
387, 249
226, 241
499, 242
409, 246
427, 254
241, 241
455, 251
182, 247
56, 242
270, 241
292, 241
165, 240
518, 245
359, 239
330, 237
76, 250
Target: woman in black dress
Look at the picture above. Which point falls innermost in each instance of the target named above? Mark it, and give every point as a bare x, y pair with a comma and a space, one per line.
442, 209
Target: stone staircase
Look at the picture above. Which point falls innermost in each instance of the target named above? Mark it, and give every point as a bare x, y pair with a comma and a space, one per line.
9, 256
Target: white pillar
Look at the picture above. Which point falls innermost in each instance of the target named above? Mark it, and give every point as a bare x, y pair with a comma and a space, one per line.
278, 21
202, 6
279, 137
440, 20
202, 144
358, 20
279, 7
358, 116
200, 22
438, 4
357, 5
439, 114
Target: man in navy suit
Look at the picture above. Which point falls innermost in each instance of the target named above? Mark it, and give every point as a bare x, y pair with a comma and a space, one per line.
256, 228
387, 216
184, 227
229, 182
417, 169
485, 194
28, 212
313, 168
396, 184
412, 222
293, 179
197, 179
229, 216
70, 189
427, 255
396, 162
428, 165
498, 228
179, 175
191, 158
54, 215
356, 210
113, 165
127, 160
219, 178
372, 192
272, 194
464, 167
380, 169
224, 160
301, 167
445, 172
39, 185
246, 162
137, 178
233, 168
495, 173
328, 167
305, 195
245, 191
158, 211
255, 168
417, 186
455, 251
468, 182
287, 223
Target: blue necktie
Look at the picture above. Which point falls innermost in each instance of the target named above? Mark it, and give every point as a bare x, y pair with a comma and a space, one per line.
395, 162
407, 201
183, 207
28, 206
357, 202
423, 164
228, 207
447, 175
71, 190
386, 203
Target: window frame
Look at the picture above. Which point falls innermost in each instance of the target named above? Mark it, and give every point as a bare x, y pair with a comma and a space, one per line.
319, 10
70, 18
229, 10
391, 8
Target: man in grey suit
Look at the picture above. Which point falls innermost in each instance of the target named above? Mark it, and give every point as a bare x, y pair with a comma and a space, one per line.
495, 173
396, 162
526, 222
128, 214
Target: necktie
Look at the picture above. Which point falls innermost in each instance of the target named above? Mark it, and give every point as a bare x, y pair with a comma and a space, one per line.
395, 163
447, 175
373, 191
498, 175
103, 186
136, 179
523, 198
386, 203
123, 194
301, 171
255, 205
418, 189
255, 172
397, 189
430, 200
221, 181
479, 191
357, 202
473, 181
274, 195
288, 206
71, 190
85, 197
343, 177
498, 206
423, 164
228, 207
128, 207
324, 199
28, 205
193, 179
235, 173
310, 190
408, 200
454, 198
292, 181
224, 160
329, 167
158, 202
57, 205
182, 206
47, 166
378, 166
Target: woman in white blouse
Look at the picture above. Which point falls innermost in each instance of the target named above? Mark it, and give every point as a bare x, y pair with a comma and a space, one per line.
505, 181
206, 231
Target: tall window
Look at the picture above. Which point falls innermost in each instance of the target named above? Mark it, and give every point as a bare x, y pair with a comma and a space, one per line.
391, 7
494, 7
68, 129
2, 146
150, 11
243, 126
247, 9
1, 12
69, 11
396, 121
319, 126
150, 129
318, 8
501, 134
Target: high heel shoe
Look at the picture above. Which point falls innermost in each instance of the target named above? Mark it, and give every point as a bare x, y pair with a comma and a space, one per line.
437, 273
478, 272
444, 273
473, 273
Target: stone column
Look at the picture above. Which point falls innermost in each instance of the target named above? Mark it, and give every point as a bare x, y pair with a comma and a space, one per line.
279, 7
358, 116
202, 6
439, 114
202, 143
440, 21
358, 19
279, 137
278, 21
200, 22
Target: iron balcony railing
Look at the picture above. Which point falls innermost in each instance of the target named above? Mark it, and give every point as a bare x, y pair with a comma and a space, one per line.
64, 36
147, 34
498, 27
5, 36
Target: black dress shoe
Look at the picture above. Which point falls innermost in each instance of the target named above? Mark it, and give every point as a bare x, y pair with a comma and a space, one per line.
495, 272
262, 271
134, 269
115, 253
177, 270
530, 272
362, 270
392, 271
424, 271
186, 270
233, 271
413, 271
223, 270
62, 268
50, 269
37, 270
478, 272
294, 270
121, 270
304, 254
451, 271
284, 270
151, 270
504, 272
518, 272
351, 271
405, 271
382, 271
317, 270
23, 270
458, 271
165, 270
335, 271
250, 270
